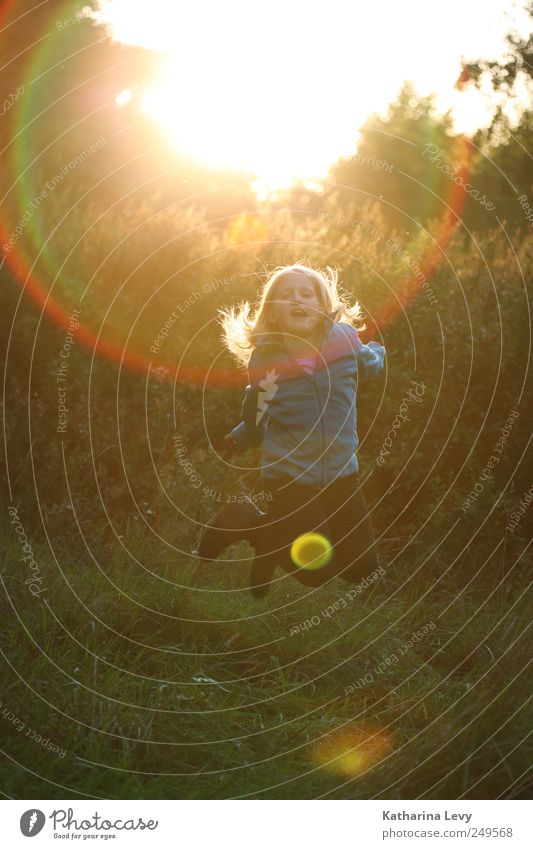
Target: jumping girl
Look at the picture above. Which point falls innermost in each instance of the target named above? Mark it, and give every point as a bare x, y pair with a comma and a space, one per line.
304, 359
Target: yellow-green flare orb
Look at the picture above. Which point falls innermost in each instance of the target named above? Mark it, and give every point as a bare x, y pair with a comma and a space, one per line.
311, 551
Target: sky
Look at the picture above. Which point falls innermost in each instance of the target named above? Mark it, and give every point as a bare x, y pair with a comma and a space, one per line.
281, 88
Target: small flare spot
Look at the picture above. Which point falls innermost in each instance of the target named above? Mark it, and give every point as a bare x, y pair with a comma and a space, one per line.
311, 551
246, 228
351, 751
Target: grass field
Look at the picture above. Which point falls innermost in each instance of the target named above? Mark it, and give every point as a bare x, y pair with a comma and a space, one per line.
139, 672
164, 678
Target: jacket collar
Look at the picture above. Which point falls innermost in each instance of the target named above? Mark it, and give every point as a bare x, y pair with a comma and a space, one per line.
272, 353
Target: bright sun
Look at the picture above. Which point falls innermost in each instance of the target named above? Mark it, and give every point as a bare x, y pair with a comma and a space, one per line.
280, 90
244, 94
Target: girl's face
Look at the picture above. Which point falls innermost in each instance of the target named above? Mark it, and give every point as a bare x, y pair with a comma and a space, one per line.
295, 305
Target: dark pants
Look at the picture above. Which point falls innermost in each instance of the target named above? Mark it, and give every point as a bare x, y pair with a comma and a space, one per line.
339, 512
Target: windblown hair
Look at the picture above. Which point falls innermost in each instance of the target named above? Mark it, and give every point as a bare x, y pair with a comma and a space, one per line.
242, 328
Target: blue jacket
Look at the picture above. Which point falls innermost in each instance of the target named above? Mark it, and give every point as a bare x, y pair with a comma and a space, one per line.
307, 424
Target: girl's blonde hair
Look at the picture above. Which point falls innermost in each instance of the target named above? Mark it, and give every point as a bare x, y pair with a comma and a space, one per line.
241, 330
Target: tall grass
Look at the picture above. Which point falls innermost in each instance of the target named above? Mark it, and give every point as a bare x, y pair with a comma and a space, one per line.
161, 677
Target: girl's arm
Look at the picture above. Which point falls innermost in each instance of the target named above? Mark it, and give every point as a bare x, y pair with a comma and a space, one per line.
370, 357
248, 433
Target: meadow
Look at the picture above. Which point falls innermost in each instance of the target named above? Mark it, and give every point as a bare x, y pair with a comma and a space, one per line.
132, 670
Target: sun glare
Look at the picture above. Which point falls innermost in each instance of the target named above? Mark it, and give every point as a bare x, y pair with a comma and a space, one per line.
252, 100
281, 91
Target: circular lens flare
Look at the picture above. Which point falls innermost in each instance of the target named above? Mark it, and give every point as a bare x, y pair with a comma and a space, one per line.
244, 230
351, 751
311, 551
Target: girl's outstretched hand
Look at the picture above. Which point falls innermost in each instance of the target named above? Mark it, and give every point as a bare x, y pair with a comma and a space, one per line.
230, 441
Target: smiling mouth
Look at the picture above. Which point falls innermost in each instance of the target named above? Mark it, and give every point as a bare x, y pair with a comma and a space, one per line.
297, 312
